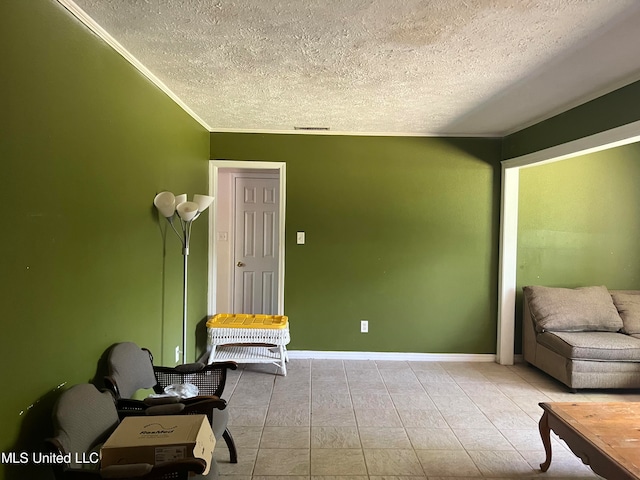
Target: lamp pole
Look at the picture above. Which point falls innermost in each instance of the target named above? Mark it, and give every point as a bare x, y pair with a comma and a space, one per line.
171, 206
185, 238
185, 256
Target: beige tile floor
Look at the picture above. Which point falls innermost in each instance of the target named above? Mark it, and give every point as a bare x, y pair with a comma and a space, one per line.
359, 420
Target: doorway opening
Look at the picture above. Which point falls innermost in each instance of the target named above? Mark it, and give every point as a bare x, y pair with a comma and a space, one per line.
507, 272
246, 237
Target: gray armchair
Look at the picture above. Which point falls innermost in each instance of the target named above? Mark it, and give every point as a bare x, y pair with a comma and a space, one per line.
83, 418
131, 369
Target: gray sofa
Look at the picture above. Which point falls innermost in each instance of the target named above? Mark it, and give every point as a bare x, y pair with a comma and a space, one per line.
585, 337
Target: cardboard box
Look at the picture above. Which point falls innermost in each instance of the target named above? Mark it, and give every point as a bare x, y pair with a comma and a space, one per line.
158, 439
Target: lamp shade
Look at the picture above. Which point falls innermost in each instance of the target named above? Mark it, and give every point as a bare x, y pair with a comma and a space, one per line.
203, 201
165, 202
181, 198
187, 210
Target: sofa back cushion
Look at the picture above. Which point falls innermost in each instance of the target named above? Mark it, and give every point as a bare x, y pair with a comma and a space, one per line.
628, 304
572, 309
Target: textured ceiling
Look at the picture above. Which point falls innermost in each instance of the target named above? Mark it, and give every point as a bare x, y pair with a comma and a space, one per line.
432, 67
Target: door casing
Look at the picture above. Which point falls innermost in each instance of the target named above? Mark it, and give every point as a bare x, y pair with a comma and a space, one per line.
216, 169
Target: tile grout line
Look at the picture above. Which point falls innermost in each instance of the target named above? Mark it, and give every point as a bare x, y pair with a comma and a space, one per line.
491, 377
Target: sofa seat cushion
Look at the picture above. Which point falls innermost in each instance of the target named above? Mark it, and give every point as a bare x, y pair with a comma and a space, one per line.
628, 304
572, 309
597, 346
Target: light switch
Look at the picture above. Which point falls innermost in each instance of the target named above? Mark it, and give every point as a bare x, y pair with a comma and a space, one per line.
300, 238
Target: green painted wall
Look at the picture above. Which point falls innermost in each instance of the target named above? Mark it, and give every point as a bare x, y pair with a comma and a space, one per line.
85, 142
401, 231
579, 222
609, 111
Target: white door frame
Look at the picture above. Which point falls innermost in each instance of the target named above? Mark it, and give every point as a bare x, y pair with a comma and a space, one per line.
214, 166
507, 269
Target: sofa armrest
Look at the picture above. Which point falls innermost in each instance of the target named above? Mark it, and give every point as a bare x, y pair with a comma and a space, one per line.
529, 342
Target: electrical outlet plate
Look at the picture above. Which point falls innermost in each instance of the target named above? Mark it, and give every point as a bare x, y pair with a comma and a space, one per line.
364, 326
178, 353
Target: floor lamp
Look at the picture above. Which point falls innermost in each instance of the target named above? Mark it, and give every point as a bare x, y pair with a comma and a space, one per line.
172, 207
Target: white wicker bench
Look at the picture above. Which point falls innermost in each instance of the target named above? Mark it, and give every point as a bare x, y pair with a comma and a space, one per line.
244, 338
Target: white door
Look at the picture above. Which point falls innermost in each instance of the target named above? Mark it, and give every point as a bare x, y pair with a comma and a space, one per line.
256, 245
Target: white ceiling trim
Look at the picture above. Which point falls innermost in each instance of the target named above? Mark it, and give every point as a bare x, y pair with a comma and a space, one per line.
81, 15
353, 134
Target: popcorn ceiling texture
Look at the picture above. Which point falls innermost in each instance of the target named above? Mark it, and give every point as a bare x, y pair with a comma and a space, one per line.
474, 67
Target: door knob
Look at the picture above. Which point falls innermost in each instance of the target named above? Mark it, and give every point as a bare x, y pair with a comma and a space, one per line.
240, 264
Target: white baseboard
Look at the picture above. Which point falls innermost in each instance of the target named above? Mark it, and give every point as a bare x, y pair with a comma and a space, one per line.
415, 357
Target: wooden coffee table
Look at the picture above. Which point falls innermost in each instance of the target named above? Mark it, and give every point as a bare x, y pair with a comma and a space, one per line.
605, 436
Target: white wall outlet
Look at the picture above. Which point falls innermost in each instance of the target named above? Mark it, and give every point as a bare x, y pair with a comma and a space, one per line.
364, 326
177, 353
300, 238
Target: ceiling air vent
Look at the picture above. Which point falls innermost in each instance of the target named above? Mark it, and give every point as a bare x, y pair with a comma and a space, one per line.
311, 128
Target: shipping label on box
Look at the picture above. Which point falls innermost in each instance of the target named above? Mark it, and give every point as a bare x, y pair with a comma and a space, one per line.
169, 454
159, 439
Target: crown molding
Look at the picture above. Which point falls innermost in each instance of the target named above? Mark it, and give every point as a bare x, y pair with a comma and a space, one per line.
92, 25
353, 134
